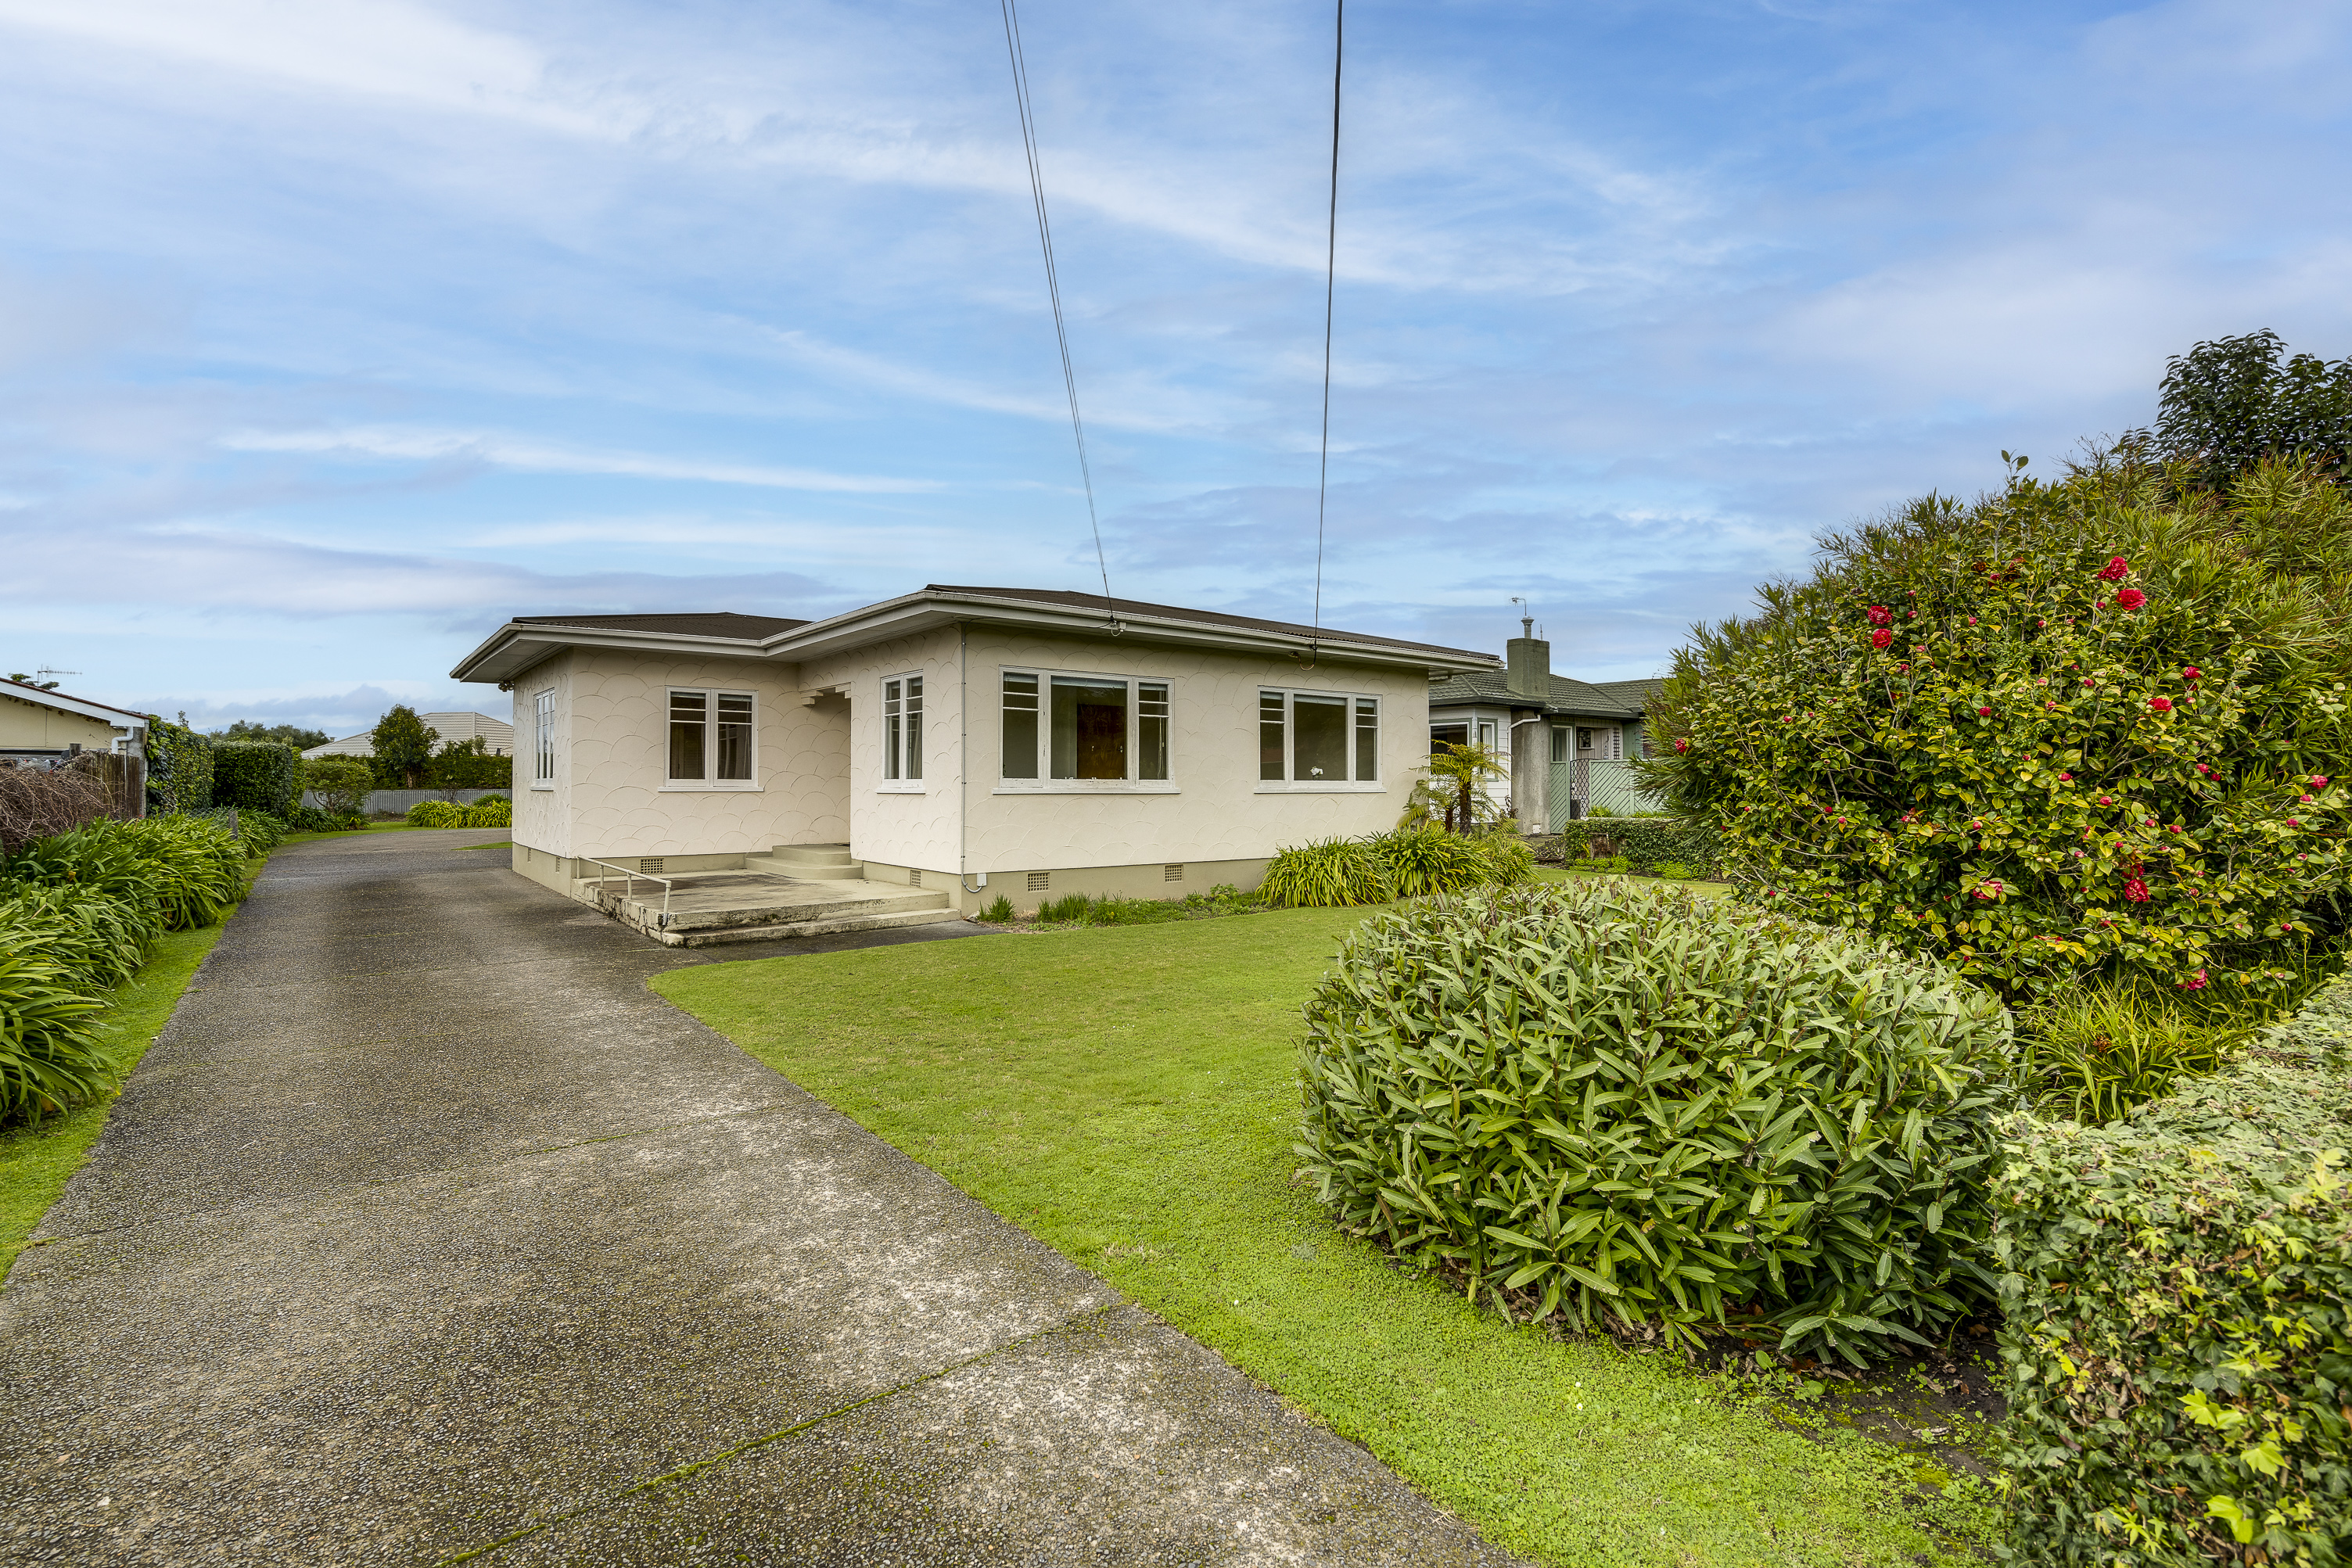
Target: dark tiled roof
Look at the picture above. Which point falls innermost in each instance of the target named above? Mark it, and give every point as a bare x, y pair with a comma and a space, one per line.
1567, 696
1199, 617
1637, 693
696, 623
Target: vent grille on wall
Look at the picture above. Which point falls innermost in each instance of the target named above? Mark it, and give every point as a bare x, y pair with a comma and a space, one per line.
1039, 881
915, 878
650, 864
1171, 873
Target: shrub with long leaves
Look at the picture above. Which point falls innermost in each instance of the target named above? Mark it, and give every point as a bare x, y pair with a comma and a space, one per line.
1608, 1104
1325, 875
51, 1054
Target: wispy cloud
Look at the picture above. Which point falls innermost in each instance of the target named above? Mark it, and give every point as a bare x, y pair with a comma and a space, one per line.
542, 457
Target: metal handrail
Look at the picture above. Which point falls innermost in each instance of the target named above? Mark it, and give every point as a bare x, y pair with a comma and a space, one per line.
630, 889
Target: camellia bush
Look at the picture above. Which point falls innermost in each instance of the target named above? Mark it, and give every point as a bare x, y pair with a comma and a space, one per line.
1614, 1105
2087, 726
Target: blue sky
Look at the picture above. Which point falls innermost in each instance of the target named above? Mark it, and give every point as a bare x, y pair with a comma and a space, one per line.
332, 333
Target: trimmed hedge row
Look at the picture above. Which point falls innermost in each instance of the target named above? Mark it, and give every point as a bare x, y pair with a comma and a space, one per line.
490, 811
262, 776
1646, 843
2177, 1286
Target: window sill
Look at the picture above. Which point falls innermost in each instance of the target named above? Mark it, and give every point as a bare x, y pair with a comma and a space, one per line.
905, 787
711, 789
1085, 787
549, 786
1336, 786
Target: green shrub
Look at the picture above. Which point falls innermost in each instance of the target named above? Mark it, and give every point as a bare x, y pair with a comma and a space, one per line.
1600, 862
2093, 1053
1672, 870
1614, 1102
999, 911
1504, 859
1069, 907
179, 766
2076, 728
341, 783
1325, 875
492, 811
256, 778
2177, 1358
97, 939
1426, 860
1643, 842
51, 1050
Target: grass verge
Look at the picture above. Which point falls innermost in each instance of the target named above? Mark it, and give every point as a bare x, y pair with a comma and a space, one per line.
35, 1161
1126, 1095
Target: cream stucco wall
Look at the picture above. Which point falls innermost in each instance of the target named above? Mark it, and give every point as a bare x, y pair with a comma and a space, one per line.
909, 823
31, 726
1217, 813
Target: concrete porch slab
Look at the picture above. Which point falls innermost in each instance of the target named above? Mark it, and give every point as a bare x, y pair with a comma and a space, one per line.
707, 906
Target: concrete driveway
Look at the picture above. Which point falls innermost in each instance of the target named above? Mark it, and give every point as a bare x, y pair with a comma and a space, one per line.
427, 1231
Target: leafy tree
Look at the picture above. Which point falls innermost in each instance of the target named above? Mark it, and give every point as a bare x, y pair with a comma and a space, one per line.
1450, 792
2073, 727
2228, 402
404, 745
254, 730
23, 679
341, 783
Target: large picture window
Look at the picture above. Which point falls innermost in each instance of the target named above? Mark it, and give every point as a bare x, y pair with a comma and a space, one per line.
1079, 732
713, 740
1318, 740
542, 746
902, 729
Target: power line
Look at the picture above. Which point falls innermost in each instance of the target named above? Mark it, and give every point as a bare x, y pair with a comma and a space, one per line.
1054, 284
1331, 287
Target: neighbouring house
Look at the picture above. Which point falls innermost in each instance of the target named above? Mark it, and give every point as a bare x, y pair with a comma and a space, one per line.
40, 728
496, 734
1565, 742
916, 758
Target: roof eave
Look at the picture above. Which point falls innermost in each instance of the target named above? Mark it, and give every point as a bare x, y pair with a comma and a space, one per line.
518, 646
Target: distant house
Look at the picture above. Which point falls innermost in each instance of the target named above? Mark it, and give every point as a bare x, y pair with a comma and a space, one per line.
496, 734
915, 758
1566, 742
39, 727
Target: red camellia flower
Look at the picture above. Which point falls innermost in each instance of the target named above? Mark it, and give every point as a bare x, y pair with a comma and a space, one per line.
2193, 674
2115, 570
2105, 801
2161, 704
1989, 889
1880, 638
1681, 745
2308, 799
2065, 779
2195, 982
2294, 822
2320, 781
1880, 615
1984, 713
2136, 891
2131, 598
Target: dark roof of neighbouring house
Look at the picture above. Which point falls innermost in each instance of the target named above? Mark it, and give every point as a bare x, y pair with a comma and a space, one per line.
1637, 693
1600, 699
694, 624
1072, 601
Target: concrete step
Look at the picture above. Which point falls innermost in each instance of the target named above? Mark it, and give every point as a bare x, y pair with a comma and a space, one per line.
803, 928
843, 870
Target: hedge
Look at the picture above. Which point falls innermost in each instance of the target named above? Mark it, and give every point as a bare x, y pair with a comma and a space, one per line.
2178, 1365
490, 811
256, 777
1646, 843
179, 766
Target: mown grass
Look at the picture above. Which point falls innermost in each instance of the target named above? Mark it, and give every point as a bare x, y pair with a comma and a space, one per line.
1126, 1095
35, 1161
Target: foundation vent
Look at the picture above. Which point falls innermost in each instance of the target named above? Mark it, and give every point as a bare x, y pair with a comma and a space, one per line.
915, 878
650, 864
1039, 881
1171, 873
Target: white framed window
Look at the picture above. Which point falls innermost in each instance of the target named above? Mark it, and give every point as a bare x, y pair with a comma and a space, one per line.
714, 739
1318, 741
542, 747
1070, 732
902, 733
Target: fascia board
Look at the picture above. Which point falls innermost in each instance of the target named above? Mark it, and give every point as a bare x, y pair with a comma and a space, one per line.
120, 719
917, 612
515, 648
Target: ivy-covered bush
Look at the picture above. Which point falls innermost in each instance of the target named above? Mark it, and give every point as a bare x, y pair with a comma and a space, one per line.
256, 776
1605, 1102
179, 766
2089, 726
2177, 1352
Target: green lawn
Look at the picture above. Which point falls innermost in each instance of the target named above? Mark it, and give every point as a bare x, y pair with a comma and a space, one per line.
1126, 1095
35, 1161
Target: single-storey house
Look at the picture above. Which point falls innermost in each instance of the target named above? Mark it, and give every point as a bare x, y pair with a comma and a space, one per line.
496, 734
965, 742
39, 727
1565, 742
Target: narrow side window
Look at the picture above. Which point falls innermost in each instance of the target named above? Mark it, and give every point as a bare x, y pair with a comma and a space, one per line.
1152, 729
1367, 741
911, 723
690, 714
1020, 725
543, 734
891, 701
1270, 735
735, 736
